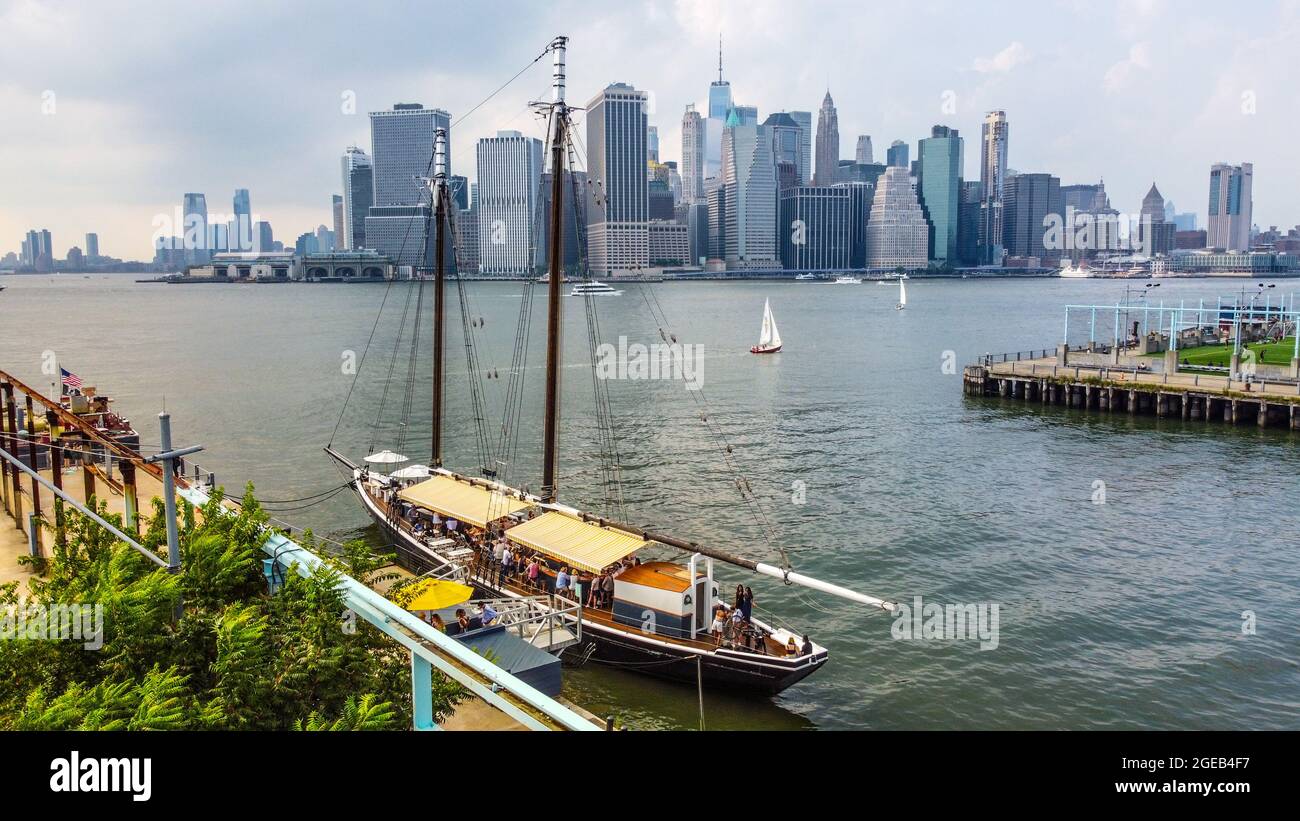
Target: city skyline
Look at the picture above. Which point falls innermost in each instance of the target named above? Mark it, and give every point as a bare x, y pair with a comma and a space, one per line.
282, 137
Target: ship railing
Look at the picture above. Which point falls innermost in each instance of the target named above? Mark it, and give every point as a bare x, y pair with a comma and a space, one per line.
546, 622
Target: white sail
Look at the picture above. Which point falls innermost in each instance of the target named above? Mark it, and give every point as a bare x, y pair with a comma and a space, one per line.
769, 336
902, 294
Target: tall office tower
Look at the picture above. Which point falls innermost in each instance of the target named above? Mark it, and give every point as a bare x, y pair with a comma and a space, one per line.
674, 182
336, 209
897, 234
1156, 230
1230, 206
401, 148
939, 187
1028, 199
693, 150
241, 230
324, 239
828, 143
805, 122
92, 245
897, 154
617, 234
263, 238
863, 155
787, 148
509, 174
572, 220
993, 172
815, 229
719, 107
749, 181
968, 222
460, 191
716, 197
652, 143
860, 196
358, 196
697, 227
1085, 198
194, 228
745, 114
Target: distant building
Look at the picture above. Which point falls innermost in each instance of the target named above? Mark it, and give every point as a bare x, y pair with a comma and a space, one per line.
92, 245
358, 196
815, 228
862, 156
240, 232
345, 266
787, 148
263, 239
1157, 236
617, 236
398, 232
669, 243
897, 233
897, 154
194, 227
76, 259
994, 135
861, 195
693, 146
939, 190
828, 144
749, 183
401, 150
804, 120
1189, 240
576, 205
336, 208
1028, 199
1230, 206
968, 222
509, 176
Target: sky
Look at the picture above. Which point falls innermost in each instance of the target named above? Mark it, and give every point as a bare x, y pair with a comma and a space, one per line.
111, 111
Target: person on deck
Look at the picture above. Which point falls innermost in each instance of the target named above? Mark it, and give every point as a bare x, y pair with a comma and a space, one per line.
719, 614
562, 581
451, 525
486, 614
463, 620
534, 572
607, 590
747, 604
807, 645
594, 594
437, 622
791, 649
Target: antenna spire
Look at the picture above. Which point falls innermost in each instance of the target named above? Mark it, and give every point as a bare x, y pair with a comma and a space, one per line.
719, 57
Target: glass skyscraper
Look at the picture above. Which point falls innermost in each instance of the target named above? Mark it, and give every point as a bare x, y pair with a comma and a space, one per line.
993, 172
401, 148
617, 235
814, 228
1231, 193
939, 188
358, 196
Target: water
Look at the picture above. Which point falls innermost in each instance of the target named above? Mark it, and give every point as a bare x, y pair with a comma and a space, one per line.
1126, 614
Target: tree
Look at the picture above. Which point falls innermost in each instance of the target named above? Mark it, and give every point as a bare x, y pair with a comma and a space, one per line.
238, 658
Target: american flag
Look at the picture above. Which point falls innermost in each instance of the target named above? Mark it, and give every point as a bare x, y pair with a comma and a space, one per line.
70, 379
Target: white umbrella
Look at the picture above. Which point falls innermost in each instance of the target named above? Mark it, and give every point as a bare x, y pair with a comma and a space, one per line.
411, 472
385, 457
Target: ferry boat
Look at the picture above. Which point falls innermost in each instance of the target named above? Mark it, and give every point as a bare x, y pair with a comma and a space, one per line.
655, 613
804, 277
593, 288
1075, 271
848, 280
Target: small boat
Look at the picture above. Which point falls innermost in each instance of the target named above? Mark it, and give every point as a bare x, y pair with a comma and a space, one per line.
1075, 271
769, 339
847, 280
805, 277
593, 288
902, 294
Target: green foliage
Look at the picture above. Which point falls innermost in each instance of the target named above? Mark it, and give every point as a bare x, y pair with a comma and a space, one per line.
238, 658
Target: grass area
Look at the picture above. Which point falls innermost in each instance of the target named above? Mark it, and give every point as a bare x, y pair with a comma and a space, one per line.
1270, 353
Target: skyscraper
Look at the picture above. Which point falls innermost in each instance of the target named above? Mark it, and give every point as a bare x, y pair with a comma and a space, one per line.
693, 142
652, 143
241, 237
787, 146
993, 172
719, 107
509, 174
863, 154
968, 222
358, 196
897, 234
804, 119
897, 154
617, 231
194, 228
401, 145
1230, 206
1156, 230
939, 188
92, 245
749, 183
828, 143
814, 229
336, 209
1028, 199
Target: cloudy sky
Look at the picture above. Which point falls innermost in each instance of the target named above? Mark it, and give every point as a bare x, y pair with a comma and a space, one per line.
110, 111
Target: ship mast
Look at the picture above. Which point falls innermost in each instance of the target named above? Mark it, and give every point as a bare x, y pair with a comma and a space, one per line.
559, 113
439, 190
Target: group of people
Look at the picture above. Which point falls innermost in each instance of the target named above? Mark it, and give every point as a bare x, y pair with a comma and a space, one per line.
485, 617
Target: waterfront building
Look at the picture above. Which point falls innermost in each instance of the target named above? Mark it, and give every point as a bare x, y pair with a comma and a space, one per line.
1157, 234
1230, 206
263, 238
509, 178
693, 150
939, 189
862, 156
787, 148
358, 196
241, 230
720, 104
697, 225
1189, 240
898, 154
994, 135
670, 242
398, 232
194, 227
749, 182
804, 120
92, 246
578, 203
401, 151
617, 236
716, 198
897, 233
1028, 199
815, 228
861, 195
828, 143
345, 266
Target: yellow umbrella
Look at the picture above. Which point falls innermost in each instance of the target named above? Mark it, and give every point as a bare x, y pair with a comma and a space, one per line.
436, 594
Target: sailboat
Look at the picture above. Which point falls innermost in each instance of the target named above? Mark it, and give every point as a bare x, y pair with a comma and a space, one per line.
769, 339
655, 615
902, 294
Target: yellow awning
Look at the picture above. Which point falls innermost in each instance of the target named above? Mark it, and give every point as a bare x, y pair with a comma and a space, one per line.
462, 501
580, 544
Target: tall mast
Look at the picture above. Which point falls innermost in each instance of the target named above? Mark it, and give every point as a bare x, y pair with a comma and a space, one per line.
439, 190
559, 124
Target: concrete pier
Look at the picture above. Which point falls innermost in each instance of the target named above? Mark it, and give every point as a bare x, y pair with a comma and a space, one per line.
1189, 397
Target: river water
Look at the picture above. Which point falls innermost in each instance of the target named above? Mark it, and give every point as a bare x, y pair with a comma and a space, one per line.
874, 469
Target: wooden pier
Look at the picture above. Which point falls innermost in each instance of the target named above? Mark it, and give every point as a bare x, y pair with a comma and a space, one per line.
1189, 396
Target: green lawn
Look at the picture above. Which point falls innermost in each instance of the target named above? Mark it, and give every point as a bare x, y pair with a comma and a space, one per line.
1271, 353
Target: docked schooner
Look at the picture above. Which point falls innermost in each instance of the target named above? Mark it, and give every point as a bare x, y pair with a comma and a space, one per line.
640, 610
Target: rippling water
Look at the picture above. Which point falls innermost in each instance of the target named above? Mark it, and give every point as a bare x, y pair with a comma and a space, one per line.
1120, 615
